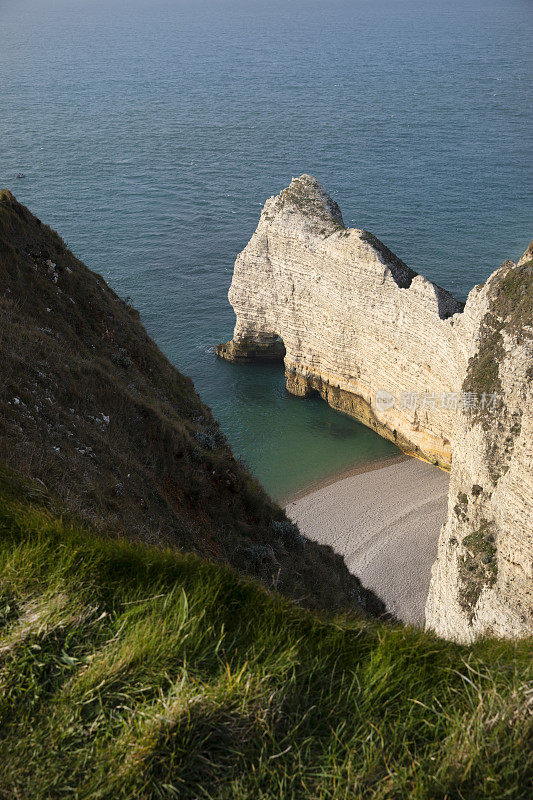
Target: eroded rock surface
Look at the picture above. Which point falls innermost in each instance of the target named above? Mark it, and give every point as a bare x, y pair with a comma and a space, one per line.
358, 325
387, 346
482, 581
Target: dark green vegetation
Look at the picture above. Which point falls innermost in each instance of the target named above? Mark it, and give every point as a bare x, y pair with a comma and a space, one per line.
128, 671
510, 291
306, 196
91, 407
478, 566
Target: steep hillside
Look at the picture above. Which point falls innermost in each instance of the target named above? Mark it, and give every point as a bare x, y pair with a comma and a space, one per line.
127, 671
91, 407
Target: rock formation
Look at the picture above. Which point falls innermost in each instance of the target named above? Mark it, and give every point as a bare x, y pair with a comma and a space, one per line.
397, 352
375, 339
482, 581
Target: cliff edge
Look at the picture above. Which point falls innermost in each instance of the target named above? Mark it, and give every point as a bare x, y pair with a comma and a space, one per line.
353, 322
482, 581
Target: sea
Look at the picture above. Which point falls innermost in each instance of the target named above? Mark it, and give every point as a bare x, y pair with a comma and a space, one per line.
150, 134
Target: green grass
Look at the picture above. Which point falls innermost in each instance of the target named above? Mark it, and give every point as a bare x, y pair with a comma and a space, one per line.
478, 567
510, 293
132, 672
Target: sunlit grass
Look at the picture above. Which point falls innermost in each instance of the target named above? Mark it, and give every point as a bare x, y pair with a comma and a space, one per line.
128, 671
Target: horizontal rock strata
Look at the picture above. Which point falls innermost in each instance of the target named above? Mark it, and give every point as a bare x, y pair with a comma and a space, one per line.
358, 326
383, 344
482, 581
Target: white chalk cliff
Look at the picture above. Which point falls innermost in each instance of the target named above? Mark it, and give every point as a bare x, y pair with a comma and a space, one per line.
394, 350
482, 581
357, 324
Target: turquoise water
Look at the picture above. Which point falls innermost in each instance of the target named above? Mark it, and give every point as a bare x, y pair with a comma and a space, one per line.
150, 134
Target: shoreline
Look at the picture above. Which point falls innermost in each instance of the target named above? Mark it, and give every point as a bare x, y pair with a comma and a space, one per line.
386, 526
348, 472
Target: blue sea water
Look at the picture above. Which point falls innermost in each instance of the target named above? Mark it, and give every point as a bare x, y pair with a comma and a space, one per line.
151, 133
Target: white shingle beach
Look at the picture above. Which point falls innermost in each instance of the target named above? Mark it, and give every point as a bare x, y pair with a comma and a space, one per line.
386, 523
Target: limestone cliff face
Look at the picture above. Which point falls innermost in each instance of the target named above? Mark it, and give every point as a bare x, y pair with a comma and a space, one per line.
357, 324
482, 581
399, 353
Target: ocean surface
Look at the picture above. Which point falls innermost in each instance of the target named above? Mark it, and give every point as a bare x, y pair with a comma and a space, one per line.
150, 134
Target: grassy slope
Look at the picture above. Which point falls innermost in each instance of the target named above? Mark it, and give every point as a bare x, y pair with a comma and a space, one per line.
130, 671
90, 406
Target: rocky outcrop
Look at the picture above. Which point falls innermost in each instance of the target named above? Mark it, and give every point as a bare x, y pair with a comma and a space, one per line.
383, 344
482, 581
352, 321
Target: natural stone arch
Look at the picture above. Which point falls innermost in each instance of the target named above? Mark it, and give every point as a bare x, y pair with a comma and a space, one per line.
257, 347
